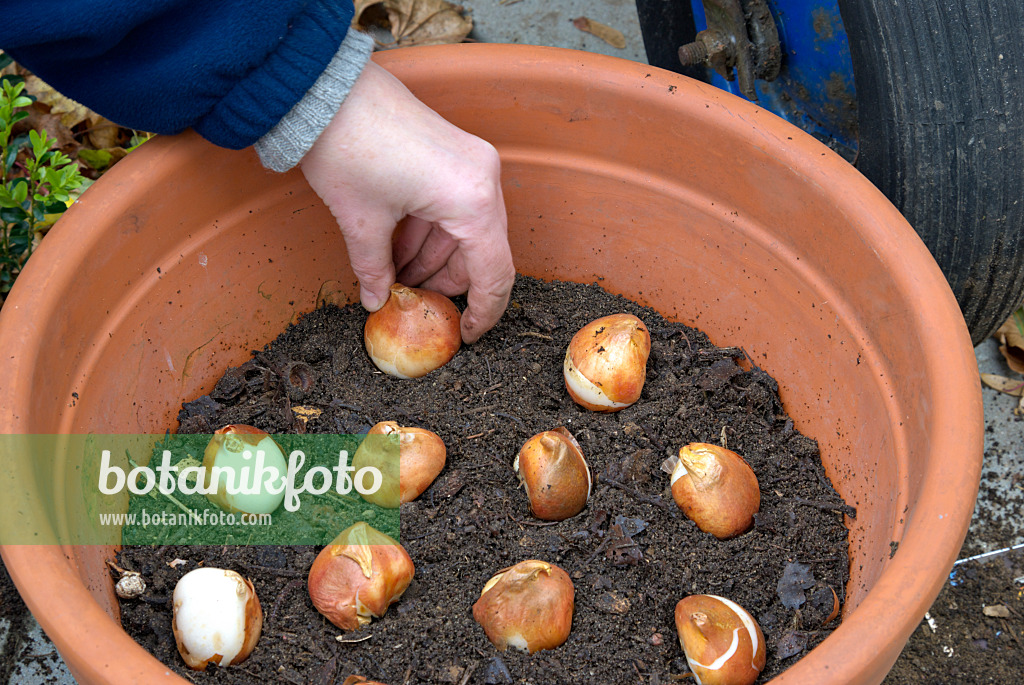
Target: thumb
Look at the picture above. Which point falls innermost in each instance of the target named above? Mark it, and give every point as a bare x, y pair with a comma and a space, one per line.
369, 253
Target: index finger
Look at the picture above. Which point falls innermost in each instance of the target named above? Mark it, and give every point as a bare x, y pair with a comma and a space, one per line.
491, 275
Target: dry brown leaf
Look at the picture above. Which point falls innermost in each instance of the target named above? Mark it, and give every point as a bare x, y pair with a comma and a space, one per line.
1010, 386
416, 22
51, 124
103, 133
996, 611
360, 7
1011, 340
70, 112
609, 35
427, 22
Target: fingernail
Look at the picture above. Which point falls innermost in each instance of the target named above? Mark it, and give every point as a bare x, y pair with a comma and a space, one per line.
470, 334
372, 301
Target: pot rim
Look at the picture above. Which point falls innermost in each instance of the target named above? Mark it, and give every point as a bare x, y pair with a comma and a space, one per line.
863, 643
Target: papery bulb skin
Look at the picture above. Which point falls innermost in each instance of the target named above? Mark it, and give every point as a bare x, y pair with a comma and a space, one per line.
605, 365
555, 474
360, 680
528, 607
835, 608
358, 576
716, 489
414, 333
722, 641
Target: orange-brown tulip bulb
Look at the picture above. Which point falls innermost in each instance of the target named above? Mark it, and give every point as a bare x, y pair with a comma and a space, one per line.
716, 489
415, 332
528, 607
606, 363
358, 576
409, 462
722, 641
554, 473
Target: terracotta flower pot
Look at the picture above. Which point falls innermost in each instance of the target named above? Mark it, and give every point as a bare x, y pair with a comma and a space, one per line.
185, 257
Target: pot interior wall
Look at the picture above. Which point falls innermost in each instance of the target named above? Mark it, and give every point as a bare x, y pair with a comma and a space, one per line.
208, 288
662, 199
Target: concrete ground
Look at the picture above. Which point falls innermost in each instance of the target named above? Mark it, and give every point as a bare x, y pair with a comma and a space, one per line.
539, 22
546, 22
999, 515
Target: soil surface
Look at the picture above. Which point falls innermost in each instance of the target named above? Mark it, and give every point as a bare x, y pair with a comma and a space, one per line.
15, 624
631, 554
974, 632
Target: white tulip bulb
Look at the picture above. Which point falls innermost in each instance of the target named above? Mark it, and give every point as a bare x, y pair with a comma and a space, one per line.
217, 617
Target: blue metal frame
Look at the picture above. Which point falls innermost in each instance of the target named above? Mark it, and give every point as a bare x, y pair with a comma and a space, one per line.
815, 89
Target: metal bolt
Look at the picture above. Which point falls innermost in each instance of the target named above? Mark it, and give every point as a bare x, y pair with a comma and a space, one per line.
709, 46
693, 54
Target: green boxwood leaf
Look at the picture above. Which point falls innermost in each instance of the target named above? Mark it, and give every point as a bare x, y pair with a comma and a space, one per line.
12, 154
97, 159
19, 190
40, 143
14, 80
12, 215
20, 239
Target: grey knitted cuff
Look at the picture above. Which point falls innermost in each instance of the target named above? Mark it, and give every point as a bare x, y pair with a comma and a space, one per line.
283, 146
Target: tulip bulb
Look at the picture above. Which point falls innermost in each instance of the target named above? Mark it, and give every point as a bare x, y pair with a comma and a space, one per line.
528, 606
216, 618
606, 363
415, 332
408, 463
358, 576
227, 452
722, 642
554, 473
715, 488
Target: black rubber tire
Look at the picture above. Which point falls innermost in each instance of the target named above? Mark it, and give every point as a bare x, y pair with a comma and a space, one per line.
664, 27
940, 98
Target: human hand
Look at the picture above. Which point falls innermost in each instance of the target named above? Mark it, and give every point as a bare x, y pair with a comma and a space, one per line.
387, 156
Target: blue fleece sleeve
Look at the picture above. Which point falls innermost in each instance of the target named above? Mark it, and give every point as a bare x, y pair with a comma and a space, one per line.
230, 69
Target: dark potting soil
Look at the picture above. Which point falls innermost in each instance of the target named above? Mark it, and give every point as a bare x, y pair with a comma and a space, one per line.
18, 647
631, 554
974, 631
